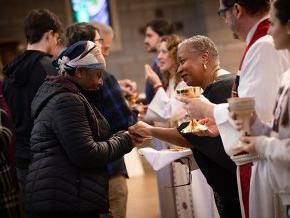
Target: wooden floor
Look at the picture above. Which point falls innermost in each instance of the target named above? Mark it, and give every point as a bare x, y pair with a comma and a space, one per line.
143, 195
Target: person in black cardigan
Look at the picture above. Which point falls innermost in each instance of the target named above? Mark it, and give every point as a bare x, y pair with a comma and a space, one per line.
199, 66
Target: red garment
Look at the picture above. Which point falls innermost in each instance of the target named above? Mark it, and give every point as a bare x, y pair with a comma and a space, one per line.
245, 179
246, 170
3, 104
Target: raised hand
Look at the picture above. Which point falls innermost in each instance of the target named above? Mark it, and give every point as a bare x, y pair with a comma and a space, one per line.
152, 76
128, 87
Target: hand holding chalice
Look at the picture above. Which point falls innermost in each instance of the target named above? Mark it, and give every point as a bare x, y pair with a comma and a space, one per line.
242, 109
193, 126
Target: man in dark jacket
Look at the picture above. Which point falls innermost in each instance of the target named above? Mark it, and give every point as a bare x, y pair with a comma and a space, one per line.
25, 74
114, 107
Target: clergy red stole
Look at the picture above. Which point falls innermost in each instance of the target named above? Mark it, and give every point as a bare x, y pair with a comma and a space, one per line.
246, 169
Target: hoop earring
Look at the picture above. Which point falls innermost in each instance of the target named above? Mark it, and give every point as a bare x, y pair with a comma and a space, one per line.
204, 66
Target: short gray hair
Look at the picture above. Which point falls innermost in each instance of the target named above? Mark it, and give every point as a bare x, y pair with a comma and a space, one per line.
104, 29
201, 44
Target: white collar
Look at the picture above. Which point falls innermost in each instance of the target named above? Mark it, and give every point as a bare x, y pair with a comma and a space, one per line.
253, 29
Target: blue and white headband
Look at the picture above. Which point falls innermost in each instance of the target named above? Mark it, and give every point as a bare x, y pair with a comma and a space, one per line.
83, 54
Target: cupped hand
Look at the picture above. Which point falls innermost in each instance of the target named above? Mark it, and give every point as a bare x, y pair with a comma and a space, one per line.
142, 129
137, 140
249, 144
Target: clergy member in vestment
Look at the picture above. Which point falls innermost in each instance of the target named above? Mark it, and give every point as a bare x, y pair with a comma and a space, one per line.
273, 141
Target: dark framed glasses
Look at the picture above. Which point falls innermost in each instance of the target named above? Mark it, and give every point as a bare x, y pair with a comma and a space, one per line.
188, 164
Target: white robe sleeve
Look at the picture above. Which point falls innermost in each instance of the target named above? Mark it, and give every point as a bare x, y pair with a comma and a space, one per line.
230, 136
260, 128
260, 78
277, 154
261, 75
163, 108
274, 149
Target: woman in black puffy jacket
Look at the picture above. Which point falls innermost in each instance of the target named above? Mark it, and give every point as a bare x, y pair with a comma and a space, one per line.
71, 141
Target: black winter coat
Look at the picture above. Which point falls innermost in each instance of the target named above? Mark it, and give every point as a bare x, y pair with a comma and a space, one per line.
71, 145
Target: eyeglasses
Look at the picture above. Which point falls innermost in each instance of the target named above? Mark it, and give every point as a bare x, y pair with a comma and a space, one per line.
100, 40
188, 163
222, 12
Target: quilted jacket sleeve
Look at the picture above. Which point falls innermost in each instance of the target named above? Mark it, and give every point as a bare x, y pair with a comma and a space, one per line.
74, 133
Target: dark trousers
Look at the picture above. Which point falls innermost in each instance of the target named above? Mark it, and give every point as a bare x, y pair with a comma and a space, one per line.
21, 177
